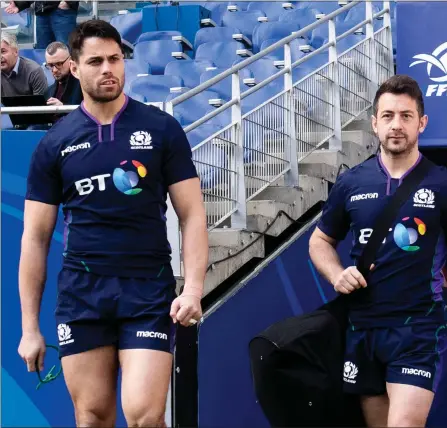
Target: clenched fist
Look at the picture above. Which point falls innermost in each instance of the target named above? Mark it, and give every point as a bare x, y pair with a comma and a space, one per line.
32, 349
349, 280
186, 310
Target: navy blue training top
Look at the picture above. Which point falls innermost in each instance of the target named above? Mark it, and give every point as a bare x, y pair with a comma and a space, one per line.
112, 181
406, 285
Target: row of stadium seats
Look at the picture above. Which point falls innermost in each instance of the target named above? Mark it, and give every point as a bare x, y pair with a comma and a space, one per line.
165, 65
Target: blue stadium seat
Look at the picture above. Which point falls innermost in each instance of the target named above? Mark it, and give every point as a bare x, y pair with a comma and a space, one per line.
130, 25
273, 10
155, 88
220, 53
22, 19
320, 35
217, 10
214, 34
157, 35
278, 54
223, 88
37, 55
190, 70
131, 69
303, 17
137, 97
157, 53
272, 30
194, 108
325, 7
358, 13
245, 21
262, 69
241, 5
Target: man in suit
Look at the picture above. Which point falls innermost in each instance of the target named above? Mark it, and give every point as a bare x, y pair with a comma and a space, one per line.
66, 88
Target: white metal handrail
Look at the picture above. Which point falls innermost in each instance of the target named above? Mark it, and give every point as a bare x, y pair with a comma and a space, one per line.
345, 90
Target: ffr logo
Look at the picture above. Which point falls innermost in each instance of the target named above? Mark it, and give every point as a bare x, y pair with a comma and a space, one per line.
87, 185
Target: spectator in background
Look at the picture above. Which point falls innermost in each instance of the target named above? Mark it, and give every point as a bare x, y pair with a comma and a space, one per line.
20, 76
66, 88
55, 20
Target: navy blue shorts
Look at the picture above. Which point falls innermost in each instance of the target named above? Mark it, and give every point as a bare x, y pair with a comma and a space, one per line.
409, 355
130, 313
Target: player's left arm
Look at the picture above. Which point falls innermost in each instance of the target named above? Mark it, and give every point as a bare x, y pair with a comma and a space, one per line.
184, 190
186, 197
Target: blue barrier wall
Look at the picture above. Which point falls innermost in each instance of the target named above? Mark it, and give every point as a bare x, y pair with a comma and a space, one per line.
285, 287
422, 54
185, 18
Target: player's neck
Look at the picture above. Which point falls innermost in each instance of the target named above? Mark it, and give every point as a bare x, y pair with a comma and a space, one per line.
397, 166
104, 113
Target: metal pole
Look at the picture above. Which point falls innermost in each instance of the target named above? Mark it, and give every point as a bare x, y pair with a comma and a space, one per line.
239, 218
335, 143
95, 9
292, 176
387, 23
372, 49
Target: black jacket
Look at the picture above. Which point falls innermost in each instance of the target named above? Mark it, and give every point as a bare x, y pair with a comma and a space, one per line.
72, 94
45, 7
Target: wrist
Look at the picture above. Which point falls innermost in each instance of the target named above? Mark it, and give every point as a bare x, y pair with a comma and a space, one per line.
335, 274
30, 327
191, 290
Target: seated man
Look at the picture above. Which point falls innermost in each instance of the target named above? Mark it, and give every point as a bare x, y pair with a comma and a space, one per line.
66, 88
20, 76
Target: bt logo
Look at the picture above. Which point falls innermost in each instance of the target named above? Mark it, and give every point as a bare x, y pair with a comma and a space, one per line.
124, 180
404, 237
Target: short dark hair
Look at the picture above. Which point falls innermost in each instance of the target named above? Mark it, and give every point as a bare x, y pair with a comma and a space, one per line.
92, 28
398, 85
54, 46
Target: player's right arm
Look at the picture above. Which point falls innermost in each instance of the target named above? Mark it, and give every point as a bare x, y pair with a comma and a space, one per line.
332, 228
43, 196
39, 223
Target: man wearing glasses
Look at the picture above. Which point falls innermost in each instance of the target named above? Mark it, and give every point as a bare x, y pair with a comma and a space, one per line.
66, 88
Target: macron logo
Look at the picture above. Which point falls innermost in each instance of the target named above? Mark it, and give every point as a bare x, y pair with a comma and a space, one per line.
70, 149
416, 372
154, 334
364, 196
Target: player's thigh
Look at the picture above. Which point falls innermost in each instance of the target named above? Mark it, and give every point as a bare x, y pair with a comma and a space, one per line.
375, 410
146, 375
91, 379
409, 405
413, 372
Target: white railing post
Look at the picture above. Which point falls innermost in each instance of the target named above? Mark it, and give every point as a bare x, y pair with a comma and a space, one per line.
389, 36
291, 152
95, 9
173, 225
33, 14
372, 49
239, 218
335, 143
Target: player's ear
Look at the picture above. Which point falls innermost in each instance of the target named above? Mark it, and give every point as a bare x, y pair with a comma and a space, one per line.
74, 69
374, 123
423, 123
